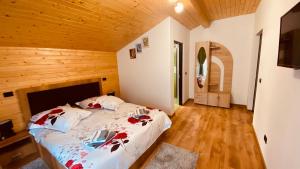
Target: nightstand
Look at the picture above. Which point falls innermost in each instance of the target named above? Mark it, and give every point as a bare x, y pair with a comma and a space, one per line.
17, 150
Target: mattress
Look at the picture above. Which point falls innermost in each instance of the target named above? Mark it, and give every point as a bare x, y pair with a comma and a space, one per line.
132, 140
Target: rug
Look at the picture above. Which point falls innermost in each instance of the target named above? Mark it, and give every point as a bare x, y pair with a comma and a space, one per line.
36, 164
172, 157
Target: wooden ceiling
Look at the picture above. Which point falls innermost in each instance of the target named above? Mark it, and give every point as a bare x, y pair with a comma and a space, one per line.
105, 25
219, 9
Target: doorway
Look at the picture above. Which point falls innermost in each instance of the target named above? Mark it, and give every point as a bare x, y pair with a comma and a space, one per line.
257, 80
177, 73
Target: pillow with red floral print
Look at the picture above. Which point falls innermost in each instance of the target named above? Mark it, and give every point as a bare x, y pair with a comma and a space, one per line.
109, 102
62, 118
89, 103
35, 117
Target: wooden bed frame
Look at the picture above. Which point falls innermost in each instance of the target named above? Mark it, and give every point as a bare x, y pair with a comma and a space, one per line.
27, 113
54, 164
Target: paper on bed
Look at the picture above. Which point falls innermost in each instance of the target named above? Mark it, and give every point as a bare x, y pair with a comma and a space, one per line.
139, 112
99, 138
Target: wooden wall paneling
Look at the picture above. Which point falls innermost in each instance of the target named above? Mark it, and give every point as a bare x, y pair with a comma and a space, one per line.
29, 67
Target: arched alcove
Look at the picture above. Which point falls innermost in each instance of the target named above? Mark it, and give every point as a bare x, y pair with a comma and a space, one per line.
213, 74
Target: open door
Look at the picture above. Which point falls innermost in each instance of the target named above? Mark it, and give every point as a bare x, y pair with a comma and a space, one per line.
178, 53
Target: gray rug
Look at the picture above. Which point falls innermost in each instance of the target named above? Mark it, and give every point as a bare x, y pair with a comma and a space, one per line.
172, 157
36, 164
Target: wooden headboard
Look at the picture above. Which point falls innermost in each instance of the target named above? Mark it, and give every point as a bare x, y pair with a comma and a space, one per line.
37, 99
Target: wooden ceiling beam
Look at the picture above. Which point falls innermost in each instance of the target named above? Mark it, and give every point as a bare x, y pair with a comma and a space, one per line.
202, 12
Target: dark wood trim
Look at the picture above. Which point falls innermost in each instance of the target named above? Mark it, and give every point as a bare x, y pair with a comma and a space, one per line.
239, 105
260, 34
23, 100
180, 70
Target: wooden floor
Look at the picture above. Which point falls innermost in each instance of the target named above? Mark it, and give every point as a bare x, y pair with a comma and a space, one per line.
224, 138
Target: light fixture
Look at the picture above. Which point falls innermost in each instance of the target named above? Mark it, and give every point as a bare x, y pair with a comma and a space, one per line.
179, 7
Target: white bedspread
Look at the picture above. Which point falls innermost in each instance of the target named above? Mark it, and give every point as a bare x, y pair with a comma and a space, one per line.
131, 141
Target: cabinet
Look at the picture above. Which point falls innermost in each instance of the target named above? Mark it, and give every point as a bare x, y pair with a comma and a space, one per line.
213, 74
219, 99
17, 150
213, 99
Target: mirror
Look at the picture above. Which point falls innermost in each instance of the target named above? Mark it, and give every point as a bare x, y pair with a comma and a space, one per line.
201, 67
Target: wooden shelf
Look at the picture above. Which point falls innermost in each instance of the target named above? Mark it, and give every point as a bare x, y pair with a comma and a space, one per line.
14, 139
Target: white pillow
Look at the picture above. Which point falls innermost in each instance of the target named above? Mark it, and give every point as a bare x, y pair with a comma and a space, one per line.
35, 117
109, 102
62, 118
89, 103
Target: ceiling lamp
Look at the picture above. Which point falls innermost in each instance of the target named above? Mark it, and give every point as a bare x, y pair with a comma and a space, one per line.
179, 7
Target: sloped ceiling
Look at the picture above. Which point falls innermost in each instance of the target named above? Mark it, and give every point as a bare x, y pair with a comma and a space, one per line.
105, 25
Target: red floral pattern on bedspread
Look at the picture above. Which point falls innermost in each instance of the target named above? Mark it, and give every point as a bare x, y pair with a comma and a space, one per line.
70, 165
119, 140
94, 106
144, 119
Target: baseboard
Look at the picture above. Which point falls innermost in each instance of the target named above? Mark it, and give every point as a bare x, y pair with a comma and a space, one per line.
239, 105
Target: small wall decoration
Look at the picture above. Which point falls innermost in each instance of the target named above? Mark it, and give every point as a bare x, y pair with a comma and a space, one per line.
132, 53
139, 48
146, 42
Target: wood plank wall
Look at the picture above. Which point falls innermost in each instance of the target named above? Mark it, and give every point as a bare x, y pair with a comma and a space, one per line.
27, 67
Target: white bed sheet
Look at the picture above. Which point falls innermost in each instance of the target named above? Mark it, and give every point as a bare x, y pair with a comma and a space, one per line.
69, 150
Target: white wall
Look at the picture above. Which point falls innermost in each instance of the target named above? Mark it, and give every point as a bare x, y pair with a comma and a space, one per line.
277, 110
181, 34
236, 34
146, 80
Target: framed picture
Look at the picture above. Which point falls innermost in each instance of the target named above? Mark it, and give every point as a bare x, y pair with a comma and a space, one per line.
139, 48
146, 42
132, 53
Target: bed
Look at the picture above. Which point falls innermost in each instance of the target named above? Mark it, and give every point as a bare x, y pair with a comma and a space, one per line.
132, 144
